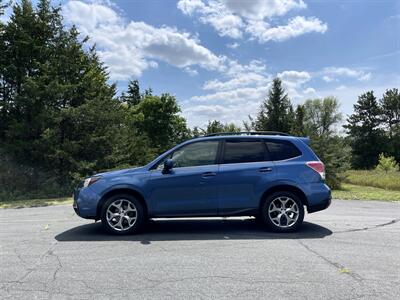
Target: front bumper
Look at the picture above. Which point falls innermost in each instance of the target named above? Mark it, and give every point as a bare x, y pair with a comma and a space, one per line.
85, 203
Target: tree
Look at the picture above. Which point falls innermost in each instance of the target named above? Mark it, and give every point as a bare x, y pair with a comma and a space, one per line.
157, 117
390, 105
132, 96
276, 112
217, 126
61, 116
321, 117
365, 132
387, 163
298, 128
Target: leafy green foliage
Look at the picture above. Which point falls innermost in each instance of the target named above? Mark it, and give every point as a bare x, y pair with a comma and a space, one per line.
387, 163
321, 117
216, 126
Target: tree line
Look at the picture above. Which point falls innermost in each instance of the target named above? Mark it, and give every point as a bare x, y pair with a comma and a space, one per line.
61, 118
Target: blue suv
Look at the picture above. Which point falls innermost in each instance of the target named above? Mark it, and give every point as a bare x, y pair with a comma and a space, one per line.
269, 175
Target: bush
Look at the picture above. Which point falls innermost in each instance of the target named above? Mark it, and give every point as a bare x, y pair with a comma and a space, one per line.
387, 163
18, 181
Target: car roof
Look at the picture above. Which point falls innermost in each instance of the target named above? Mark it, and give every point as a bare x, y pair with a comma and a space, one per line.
242, 136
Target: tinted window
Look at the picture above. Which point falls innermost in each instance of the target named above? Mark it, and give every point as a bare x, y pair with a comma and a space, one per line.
241, 151
280, 150
196, 154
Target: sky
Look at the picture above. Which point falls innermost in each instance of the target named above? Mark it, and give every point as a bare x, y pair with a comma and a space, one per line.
219, 57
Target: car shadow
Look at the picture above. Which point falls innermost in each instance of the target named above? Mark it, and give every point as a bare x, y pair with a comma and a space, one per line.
203, 229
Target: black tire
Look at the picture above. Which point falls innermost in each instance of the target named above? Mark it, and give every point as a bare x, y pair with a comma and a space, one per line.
134, 204
267, 219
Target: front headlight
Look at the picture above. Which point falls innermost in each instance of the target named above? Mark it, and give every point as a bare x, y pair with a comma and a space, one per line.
90, 180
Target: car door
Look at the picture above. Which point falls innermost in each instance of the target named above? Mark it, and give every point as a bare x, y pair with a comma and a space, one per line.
245, 173
190, 186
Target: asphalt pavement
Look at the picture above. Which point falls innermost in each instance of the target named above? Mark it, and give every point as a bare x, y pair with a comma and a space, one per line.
351, 250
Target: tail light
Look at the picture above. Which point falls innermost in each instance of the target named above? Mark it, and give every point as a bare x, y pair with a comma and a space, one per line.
318, 167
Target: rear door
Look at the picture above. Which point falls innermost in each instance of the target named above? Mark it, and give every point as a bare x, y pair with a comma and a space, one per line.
244, 174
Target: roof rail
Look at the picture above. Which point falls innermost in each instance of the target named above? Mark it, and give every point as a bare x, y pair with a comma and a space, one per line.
248, 133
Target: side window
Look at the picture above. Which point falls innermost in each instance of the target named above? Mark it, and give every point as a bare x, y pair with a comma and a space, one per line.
280, 150
196, 154
242, 151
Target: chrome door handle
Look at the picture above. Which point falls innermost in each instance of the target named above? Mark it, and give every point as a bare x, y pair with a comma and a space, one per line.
208, 174
265, 170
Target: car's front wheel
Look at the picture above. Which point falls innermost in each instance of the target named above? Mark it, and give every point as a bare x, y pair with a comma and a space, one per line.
122, 214
282, 212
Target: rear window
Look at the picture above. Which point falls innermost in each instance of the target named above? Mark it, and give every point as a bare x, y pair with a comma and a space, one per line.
242, 151
280, 150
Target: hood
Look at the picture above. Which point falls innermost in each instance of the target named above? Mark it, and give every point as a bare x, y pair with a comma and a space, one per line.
121, 172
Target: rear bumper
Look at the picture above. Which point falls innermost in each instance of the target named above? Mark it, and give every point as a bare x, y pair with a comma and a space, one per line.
320, 206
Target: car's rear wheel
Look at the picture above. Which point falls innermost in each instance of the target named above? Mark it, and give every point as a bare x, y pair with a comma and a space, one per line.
282, 212
122, 214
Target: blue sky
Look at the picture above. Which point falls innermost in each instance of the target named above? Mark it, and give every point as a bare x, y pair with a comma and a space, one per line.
218, 57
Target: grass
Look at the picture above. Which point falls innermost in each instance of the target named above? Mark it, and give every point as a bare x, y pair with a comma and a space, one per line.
35, 202
356, 192
374, 178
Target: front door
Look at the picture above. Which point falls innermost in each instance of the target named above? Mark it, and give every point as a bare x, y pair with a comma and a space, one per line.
190, 186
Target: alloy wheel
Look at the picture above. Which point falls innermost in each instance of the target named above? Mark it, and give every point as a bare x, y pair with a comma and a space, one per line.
121, 214
283, 212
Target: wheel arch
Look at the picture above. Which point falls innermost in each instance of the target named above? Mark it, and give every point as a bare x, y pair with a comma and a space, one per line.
120, 190
284, 188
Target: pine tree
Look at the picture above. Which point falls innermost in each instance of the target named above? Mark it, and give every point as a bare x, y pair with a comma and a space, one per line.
366, 136
3, 95
216, 126
275, 113
132, 97
390, 105
298, 128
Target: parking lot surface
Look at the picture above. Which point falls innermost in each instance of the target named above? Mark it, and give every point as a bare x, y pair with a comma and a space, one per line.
351, 250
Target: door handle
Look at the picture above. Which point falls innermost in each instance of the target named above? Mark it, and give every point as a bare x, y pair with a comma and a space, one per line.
265, 170
208, 174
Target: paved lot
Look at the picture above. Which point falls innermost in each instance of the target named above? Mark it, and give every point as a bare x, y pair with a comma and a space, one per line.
351, 250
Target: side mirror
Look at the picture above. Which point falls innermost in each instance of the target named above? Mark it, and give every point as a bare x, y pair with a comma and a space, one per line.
168, 165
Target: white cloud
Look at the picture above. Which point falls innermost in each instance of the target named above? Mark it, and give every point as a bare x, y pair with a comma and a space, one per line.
293, 81
332, 73
295, 78
260, 9
328, 78
234, 18
239, 81
231, 98
341, 87
190, 71
129, 48
233, 45
309, 91
215, 14
296, 26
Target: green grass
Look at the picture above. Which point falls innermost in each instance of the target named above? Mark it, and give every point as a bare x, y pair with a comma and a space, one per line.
35, 202
356, 192
374, 178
